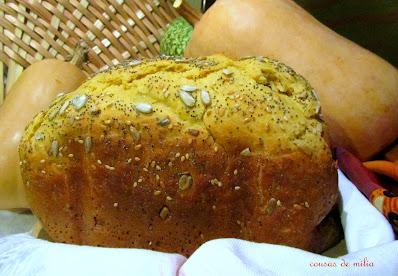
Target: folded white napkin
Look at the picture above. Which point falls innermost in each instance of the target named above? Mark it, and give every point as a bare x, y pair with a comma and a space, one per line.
369, 238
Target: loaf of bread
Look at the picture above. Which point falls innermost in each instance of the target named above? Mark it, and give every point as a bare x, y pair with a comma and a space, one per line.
167, 154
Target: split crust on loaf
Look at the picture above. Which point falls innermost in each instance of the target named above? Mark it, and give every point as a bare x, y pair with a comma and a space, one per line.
169, 153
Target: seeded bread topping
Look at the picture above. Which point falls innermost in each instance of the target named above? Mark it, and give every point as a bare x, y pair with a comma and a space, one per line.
138, 153
263, 102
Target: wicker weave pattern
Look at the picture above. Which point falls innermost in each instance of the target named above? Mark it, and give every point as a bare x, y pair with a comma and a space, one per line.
114, 30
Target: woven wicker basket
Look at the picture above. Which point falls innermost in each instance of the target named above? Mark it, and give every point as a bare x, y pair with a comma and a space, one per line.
114, 30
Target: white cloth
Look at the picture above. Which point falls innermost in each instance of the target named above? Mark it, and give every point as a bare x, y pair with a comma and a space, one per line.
369, 238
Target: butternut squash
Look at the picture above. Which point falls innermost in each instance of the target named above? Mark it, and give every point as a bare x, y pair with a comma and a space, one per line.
34, 90
357, 89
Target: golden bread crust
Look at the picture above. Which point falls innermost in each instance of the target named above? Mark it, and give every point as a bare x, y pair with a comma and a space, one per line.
125, 161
